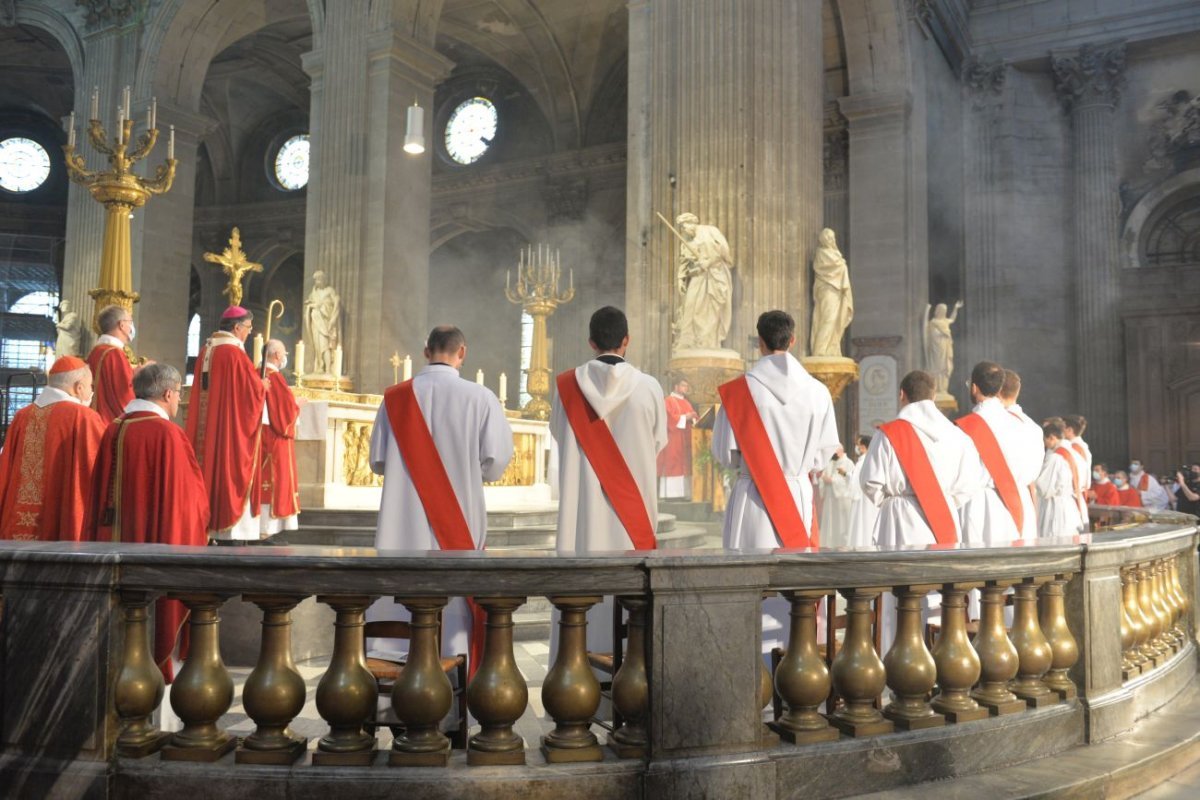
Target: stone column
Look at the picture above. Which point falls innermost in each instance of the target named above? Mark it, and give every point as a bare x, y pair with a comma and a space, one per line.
983, 88
725, 119
368, 201
1089, 81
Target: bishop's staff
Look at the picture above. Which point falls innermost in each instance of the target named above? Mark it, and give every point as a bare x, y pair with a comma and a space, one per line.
682, 241
270, 315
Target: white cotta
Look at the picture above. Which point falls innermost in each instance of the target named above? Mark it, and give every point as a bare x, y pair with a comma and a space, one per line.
837, 498
1058, 507
863, 511
1155, 497
475, 444
955, 465
1032, 444
797, 412
985, 518
632, 406
1084, 460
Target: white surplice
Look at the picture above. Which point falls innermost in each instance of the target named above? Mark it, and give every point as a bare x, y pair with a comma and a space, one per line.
798, 414
1058, 505
837, 498
1032, 446
863, 511
1155, 497
631, 404
1084, 460
955, 464
475, 443
985, 519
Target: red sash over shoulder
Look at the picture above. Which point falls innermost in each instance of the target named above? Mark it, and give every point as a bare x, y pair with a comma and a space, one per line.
1066, 456
985, 441
600, 448
765, 470
919, 472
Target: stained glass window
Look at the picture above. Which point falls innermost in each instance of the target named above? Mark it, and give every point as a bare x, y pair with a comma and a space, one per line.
471, 129
291, 163
24, 164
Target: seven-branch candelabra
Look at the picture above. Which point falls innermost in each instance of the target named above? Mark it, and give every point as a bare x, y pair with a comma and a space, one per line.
537, 292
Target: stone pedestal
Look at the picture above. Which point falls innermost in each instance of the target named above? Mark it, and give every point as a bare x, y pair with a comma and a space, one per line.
946, 402
835, 372
706, 370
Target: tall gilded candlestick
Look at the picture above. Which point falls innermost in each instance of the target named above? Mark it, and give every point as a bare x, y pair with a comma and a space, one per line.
119, 191
537, 292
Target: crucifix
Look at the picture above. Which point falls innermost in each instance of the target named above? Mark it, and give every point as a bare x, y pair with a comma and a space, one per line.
395, 362
235, 265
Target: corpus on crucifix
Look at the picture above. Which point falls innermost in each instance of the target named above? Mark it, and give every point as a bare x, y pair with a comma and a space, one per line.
234, 263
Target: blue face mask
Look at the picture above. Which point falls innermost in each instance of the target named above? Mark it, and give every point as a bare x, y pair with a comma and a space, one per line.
1120, 484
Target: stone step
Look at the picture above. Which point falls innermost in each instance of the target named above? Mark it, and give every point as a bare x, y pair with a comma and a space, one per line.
689, 511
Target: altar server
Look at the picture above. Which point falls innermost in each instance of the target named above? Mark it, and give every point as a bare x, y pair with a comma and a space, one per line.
437, 439
1073, 427
280, 489
837, 500
224, 425
675, 461
863, 512
609, 420
776, 424
1059, 510
995, 514
48, 457
1126, 495
1103, 491
919, 470
148, 488
1154, 495
1031, 444
111, 372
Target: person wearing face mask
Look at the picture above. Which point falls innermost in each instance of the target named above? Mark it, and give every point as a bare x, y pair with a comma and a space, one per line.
280, 489
1128, 495
1154, 496
48, 458
111, 370
1103, 492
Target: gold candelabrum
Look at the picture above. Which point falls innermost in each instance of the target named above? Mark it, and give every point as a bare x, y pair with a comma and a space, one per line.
119, 191
537, 292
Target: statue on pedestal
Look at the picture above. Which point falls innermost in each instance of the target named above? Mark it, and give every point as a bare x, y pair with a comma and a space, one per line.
939, 346
833, 301
70, 331
705, 284
323, 323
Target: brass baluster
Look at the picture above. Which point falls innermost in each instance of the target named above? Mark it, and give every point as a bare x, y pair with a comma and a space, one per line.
1033, 651
1063, 648
497, 695
347, 693
911, 671
1160, 610
998, 660
202, 691
1130, 630
802, 679
1145, 648
858, 672
139, 686
1154, 648
274, 690
422, 694
957, 662
1185, 604
631, 687
1170, 606
571, 693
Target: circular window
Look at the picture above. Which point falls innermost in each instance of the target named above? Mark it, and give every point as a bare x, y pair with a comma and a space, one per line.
24, 164
471, 129
291, 163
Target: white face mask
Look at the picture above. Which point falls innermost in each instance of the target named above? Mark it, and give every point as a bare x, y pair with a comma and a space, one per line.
1135, 467
1095, 475
283, 364
132, 331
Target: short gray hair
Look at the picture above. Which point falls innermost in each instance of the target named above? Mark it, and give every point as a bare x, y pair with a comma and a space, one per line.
274, 347
110, 317
65, 380
152, 381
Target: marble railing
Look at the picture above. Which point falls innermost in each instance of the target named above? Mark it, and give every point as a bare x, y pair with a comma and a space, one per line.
1102, 634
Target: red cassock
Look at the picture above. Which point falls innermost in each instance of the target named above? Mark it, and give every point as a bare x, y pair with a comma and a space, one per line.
1130, 497
676, 457
279, 486
46, 471
148, 489
1106, 494
113, 381
224, 425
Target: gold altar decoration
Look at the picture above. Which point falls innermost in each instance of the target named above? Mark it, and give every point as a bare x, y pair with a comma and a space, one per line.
522, 469
356, 463
835, 372
235, 265
537, 292
119, 191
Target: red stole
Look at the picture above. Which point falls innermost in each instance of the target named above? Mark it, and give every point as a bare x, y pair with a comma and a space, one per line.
1070, 459
600, 449
763, 464
910, 452
985, 441
433, 486
113, 378
1144, 482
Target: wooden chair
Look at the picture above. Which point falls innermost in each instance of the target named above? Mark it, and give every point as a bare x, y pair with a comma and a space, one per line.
386, 672
609, 663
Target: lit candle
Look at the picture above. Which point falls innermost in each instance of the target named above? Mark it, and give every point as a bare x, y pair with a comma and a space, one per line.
503, 389
153, 112
258, 349
171, 144
479, 377
120, 120
572, 280
95, 102
149, 118
337, 361
299, 358
71, 130
126, 102
407, 368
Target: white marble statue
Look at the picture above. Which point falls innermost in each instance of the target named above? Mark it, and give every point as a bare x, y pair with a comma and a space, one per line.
939, 345
833, 301
323, 323
705, 285
70, 331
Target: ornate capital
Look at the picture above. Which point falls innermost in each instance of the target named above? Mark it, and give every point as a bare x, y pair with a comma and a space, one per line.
836, 153
99, 13
984, 81
1092, 74
566, 199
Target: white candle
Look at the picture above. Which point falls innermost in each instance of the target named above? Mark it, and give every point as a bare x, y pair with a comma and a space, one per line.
299, 358
126, 102
71, 131
171, 143
407, 368
95, 103
258, 349
479, 377
337, 361
153, 112
149, 120
503, 389
120, 119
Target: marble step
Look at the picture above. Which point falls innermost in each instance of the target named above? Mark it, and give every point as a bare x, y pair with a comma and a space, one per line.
688, 511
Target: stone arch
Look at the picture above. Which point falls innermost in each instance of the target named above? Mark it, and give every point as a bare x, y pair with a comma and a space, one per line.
875, 46
54, 23
1136, 226
457, 221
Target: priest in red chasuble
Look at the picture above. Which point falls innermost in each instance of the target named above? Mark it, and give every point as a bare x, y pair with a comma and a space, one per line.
280, 489
111, 371
675, 461
47, 462
224, 424
148, 488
